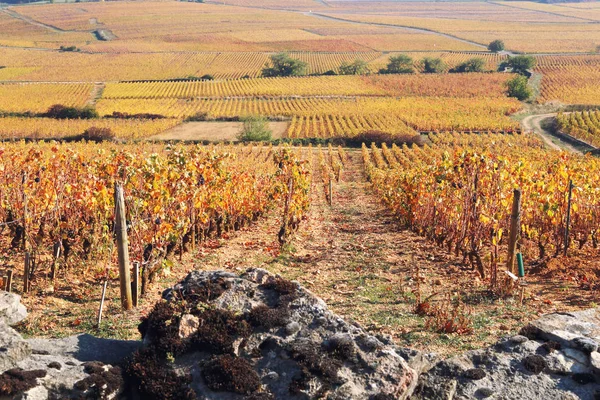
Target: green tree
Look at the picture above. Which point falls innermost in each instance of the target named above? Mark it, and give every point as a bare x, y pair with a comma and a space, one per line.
496, 46
517, 87
401, 64
255, 129
518, 64
283, 65
433, 65
471, 65
357, 67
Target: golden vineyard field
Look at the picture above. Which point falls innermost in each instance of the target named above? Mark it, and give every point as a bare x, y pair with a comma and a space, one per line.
459, 85
172, 193
37, 97
47, 128
29, 65
422, 113
572, 80
582, 125
458, 193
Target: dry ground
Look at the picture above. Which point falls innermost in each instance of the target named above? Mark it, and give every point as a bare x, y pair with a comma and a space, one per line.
213, 131
352, 254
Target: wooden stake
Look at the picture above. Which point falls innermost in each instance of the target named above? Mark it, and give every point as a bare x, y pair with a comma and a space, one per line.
330, 192
568, 222
26, 272
9, 279
102, 303
122, 247
193, 221
515, 227
522, 295
5, 283
144, 281
136, 283
24, 244
56, 254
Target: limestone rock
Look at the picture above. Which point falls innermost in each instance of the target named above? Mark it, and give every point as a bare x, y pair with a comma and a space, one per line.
279, 332
554, 361
12, 347
11, 309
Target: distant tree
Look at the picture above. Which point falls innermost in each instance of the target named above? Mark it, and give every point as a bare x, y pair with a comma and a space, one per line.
517, 87
255, 129
433, 65
472, 65
496, 46
69, 48
518, 64
283, 65
329, 72
401, 64
207, 77
96, 134
59, 111
357, 67
598, 49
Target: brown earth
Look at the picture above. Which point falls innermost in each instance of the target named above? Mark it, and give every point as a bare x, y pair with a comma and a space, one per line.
213, 131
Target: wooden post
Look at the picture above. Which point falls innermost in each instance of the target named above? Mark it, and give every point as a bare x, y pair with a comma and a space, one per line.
568, 222
515, 227
4, 283
102, 303
330, 191
135, 287
193, 229
26, 272
9, 278
144, 281
56, 254
122, 247
24, 244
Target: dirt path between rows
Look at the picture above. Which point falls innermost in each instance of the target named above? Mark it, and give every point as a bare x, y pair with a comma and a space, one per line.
96, 94
353, 254
533, 123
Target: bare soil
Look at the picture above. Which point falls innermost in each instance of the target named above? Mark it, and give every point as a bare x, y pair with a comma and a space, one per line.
213, 131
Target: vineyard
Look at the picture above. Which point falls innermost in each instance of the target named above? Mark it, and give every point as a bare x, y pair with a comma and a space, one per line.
572, 80
47, 128
458, 193
582, 125
38, 98
28, 65
459, 85
208, 27
427, 114
408, 234
57, 66
526, 36
61, 197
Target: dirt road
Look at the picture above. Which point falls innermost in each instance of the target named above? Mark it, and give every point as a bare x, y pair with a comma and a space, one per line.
533, 123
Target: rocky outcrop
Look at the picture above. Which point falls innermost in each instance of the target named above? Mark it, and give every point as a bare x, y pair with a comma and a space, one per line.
554, 357
217, 335
11, 309
260, 337
76, 367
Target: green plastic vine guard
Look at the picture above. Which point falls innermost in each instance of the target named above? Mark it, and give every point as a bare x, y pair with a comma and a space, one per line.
521, 265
